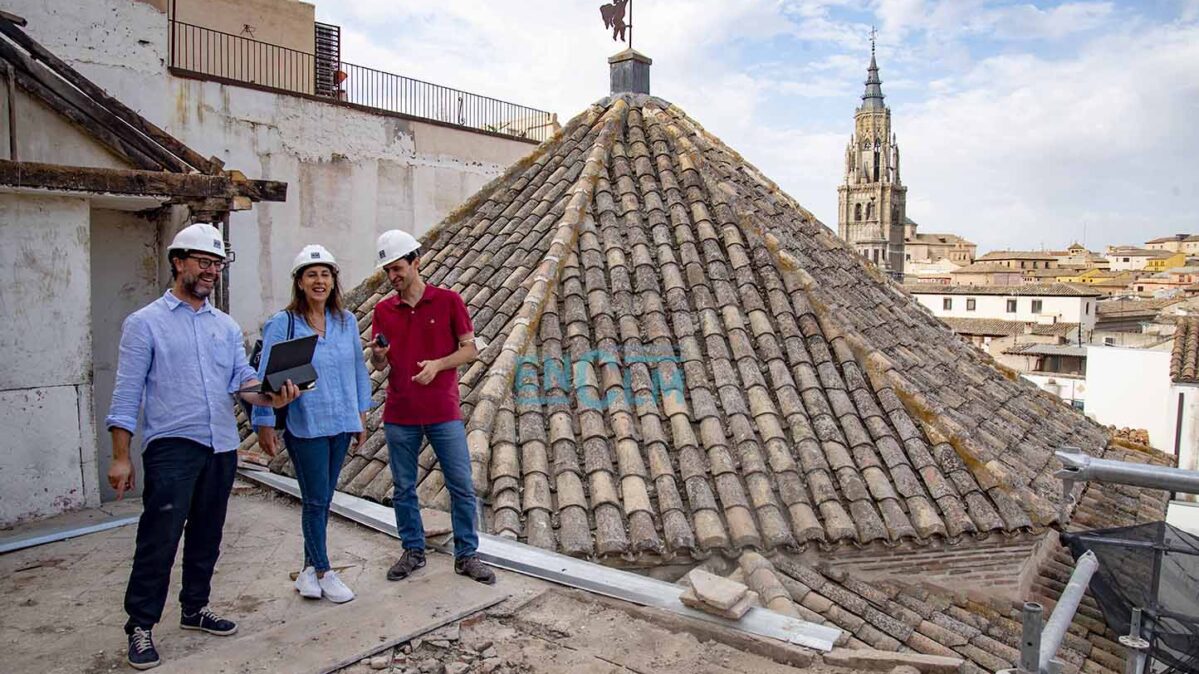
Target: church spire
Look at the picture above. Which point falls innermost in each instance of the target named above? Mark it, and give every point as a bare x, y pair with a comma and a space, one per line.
873, 98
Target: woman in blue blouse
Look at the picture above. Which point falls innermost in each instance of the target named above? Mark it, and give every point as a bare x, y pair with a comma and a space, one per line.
320, 424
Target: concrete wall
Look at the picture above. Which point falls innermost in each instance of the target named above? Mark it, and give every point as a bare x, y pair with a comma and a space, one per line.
47, 437
350, 174
1064, 309
1131, 387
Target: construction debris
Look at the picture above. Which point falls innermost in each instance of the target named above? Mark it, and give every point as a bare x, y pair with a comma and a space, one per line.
718, 596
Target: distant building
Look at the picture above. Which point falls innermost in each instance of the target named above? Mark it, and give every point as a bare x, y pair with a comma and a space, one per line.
1129, 258
1177, 243
986, 274
1077, 255
925, 248
1021, 259
921, 271
872, 201
1178, 279
1045, 304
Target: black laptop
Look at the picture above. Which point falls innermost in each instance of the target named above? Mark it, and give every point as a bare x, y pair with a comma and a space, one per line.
291, 359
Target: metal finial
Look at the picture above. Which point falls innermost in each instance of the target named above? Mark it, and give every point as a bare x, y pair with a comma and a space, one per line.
873, 36
613, 14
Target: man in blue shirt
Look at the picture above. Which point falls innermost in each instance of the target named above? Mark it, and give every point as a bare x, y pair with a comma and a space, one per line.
181, 362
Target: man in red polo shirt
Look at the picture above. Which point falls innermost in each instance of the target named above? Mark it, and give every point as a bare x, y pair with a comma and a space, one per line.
428, 336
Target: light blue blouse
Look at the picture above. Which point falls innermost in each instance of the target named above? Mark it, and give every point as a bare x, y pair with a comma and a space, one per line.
343, 388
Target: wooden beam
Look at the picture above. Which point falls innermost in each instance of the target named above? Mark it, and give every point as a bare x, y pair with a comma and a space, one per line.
117, 108
189, 186
87, 114
12, 18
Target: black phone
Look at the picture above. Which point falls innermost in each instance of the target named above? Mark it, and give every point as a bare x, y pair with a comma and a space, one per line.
381, 340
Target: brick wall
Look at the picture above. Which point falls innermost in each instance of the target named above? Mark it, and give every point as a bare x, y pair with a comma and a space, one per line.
999, 566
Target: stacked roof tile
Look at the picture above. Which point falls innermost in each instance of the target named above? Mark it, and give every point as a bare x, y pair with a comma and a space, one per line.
1184, 360
681, 360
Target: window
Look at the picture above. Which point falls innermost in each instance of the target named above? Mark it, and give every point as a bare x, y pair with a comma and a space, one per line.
1036, 306
869, 211
947, 304
1088, 308
970, 304
1011, 306
1109, 341
857, 213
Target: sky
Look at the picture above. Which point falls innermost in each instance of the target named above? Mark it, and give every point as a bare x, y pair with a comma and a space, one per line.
1021, 125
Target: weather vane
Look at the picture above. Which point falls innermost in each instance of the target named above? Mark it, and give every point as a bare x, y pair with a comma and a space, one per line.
613, 13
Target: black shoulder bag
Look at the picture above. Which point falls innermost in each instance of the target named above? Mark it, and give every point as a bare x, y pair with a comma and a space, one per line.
256, 361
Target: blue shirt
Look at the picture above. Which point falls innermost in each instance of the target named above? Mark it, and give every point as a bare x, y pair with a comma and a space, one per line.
185, 365
343, 388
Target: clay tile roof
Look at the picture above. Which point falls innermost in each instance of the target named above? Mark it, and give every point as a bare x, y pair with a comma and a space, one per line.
984, 629
681, 360
996, 327
1024, 289
1184, 360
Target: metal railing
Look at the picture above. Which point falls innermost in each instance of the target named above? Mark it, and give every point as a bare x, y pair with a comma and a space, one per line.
209, 53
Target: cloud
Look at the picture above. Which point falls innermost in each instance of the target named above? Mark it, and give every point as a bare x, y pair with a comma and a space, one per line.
1018, 121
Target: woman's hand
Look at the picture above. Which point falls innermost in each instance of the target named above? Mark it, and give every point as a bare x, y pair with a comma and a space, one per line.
268, 441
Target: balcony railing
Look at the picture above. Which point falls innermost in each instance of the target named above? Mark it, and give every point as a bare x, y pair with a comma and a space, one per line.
208, 53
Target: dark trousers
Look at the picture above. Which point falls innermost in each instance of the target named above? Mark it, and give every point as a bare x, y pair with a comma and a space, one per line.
185, 494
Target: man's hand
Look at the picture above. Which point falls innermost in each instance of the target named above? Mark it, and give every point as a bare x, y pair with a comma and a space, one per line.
379, 353
429, 369
267, 440
121, 476
285, 395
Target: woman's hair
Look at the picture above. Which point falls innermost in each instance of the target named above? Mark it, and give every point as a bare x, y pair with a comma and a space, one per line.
299, 301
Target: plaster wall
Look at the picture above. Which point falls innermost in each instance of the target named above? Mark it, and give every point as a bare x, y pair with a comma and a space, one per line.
42, 135
47, 438
268, 42
1131, 388
351, 174
1064, 309
125, 277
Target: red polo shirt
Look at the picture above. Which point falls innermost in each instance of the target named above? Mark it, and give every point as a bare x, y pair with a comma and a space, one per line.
428, 331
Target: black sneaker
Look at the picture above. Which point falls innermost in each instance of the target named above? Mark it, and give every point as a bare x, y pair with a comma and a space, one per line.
410, 561
142, 654
474, 569
206, 620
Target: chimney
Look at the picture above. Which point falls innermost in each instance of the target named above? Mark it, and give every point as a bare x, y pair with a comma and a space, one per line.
630, 72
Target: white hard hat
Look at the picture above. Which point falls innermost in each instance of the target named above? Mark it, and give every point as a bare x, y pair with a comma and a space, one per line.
200, 237
313, 254
393, 245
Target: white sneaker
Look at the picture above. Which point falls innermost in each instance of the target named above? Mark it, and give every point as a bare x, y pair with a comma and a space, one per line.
307, 585
335, 590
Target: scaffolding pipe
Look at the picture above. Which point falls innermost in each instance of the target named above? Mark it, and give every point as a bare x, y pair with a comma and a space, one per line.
1078, 467
1063, 614
1030, 643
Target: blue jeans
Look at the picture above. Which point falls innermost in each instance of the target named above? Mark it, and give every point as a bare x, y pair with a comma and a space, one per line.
449, 443
317, 462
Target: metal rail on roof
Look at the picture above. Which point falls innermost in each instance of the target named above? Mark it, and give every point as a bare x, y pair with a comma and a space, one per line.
1039, 644
538, 563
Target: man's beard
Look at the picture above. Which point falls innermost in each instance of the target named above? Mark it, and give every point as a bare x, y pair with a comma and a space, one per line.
192, 285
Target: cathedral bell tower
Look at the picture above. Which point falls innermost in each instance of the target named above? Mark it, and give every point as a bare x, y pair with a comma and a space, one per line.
872, 209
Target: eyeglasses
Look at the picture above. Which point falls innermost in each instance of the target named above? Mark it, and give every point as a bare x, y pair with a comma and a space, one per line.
207, 262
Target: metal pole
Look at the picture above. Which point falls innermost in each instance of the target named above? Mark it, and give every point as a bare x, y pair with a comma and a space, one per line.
1030, 642
1077, 466
1135, 645
1067, 605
